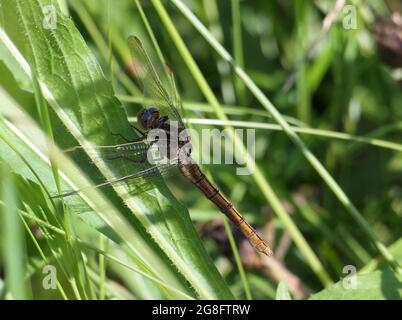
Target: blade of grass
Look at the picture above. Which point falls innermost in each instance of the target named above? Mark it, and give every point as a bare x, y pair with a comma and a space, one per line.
238, 261
41, 253
313, 218
309, 131
102, 268
303, 105
109, 41
102, 45
238, 48
115, 291
212, 17
152, 278
205, 107
150, 32
13, 238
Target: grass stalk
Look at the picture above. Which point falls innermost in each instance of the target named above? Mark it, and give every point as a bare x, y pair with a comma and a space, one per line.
13, 238
237, 39
238, 261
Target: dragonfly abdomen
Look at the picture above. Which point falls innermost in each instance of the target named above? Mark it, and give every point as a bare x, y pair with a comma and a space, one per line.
195, 175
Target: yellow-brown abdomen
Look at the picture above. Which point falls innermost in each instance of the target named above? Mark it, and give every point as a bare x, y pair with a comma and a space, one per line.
194, 174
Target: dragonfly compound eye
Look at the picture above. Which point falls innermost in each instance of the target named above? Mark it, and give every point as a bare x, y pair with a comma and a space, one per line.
146, 116
152, 110
141, 119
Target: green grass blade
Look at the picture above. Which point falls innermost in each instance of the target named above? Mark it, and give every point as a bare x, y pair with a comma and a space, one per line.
13, 237
238, 47
308, 131
239, 263
205, 107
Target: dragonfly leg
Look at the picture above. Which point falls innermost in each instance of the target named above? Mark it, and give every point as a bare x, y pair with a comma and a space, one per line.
139, 161
127, 140
121, 136
142, 133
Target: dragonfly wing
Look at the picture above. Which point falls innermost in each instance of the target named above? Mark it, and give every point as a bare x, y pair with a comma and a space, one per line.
145, 180
154, 87
134, 152
136, 182
133, 159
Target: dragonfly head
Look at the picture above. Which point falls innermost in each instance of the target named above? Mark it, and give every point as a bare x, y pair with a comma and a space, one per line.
146, 115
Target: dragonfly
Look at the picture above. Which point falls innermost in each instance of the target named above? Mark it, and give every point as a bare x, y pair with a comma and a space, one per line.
164, 145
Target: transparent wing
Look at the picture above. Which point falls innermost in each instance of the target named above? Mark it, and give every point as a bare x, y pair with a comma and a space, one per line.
140, 164
167, 101
175, 94
135, 152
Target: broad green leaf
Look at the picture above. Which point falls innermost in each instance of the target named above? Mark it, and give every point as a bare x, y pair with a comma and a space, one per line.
76, 89
381, 284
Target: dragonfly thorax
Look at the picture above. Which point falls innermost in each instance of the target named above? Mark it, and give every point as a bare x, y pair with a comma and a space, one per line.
147, 117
